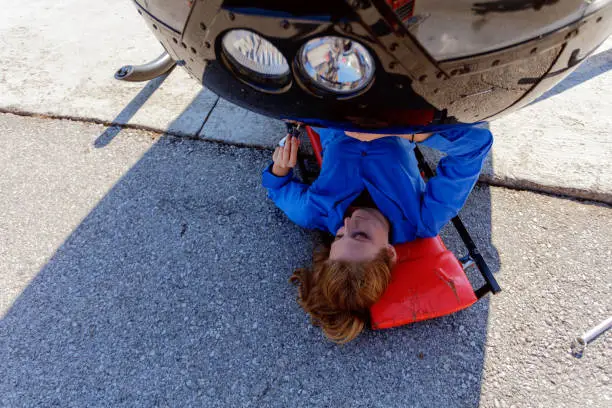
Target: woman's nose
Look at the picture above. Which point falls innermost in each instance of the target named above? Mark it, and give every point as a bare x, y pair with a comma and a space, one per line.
346, 224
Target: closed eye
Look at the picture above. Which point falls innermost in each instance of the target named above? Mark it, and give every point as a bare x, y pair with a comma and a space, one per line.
358, 234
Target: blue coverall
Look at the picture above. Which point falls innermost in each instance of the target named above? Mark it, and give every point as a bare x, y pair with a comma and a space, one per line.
387, 168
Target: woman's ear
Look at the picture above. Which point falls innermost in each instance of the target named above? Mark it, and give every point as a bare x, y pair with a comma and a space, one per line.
392, 253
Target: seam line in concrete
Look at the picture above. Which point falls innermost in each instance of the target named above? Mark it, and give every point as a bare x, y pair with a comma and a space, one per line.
582, 196
525, 185
91, 120
208, 116
180, 135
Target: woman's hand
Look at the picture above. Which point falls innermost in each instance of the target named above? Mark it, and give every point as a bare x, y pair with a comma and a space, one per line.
368, 137
285, 157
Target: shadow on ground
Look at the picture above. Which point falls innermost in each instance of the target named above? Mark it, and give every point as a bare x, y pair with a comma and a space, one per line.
173, 292
129, 111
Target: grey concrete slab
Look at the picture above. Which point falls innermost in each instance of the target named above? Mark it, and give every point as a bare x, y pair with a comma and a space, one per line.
172, 290
231, 123
59, 58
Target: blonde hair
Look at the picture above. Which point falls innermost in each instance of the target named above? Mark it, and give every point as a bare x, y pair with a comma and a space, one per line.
338, 294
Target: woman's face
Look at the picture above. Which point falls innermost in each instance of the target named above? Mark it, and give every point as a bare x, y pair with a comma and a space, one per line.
361, 237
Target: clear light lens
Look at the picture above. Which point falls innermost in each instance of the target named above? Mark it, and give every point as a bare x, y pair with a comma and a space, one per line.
337, 64
255, 53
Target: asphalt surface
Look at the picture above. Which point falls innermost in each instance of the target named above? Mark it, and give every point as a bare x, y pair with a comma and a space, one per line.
152, 272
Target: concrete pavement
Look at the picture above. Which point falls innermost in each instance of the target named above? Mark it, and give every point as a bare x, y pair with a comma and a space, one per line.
58, 59
138, 271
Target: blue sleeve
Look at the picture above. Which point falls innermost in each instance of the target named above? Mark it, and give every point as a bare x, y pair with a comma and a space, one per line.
456, 175
292, 197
